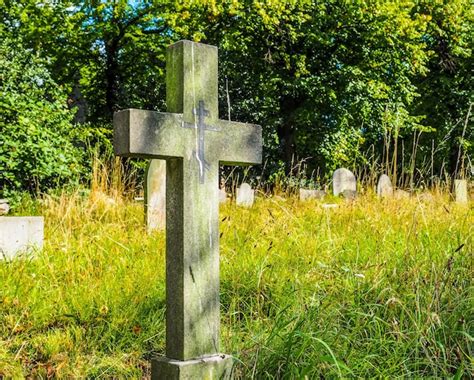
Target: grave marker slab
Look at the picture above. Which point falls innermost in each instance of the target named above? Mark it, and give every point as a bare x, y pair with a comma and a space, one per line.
245, 195
460, 191
19, 234
342, 180
193, 141
4, 207
384, 186
155, 195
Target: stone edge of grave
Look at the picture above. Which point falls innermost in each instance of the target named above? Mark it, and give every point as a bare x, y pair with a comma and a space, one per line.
28, 246
217, 366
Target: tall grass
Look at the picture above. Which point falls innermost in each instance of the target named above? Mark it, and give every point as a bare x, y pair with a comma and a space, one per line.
373, 288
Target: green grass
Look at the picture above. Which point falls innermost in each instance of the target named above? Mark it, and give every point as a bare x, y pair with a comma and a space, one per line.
370, 289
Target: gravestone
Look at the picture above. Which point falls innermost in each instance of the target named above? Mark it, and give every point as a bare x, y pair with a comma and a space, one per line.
20, 234
4, 207
460, 191
155, 195
342, 180
245, 195
193, 141
384, 186
305, 194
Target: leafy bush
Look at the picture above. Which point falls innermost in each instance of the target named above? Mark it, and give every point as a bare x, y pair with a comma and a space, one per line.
37, 148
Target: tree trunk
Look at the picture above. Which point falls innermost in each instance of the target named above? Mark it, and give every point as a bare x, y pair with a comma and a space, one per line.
287, 140
287, 131
111, 77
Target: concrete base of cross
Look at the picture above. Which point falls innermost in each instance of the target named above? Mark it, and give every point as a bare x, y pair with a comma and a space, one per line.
216, 367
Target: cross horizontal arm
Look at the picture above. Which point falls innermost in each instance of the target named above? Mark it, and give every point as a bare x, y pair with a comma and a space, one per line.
148, 134
239, 143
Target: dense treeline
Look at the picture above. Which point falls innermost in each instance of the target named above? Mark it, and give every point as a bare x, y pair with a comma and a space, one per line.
385, 85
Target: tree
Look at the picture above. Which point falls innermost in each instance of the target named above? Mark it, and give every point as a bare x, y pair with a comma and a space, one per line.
320, 77
36, 146
448, 88
127, 44
327, 80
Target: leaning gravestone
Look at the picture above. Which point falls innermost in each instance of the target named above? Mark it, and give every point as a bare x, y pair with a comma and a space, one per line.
245, 195
20, 234
384, 186
155, 195
343, 180
193, 141
460, 191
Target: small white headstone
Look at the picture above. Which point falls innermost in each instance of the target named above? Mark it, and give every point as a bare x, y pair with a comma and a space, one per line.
4, 207
155, 195
20, 234
344, 180
384, 186
460, 191
306, 194
245, 195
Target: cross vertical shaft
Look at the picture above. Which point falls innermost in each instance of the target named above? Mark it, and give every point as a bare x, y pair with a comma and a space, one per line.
192, 269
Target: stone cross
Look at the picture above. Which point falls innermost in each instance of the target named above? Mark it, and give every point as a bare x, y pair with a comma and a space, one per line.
193, 141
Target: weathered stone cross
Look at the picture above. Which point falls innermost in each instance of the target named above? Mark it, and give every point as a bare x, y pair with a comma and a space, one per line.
193, 141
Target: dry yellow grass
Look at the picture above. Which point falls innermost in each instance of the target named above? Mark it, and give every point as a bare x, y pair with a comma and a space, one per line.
370, 288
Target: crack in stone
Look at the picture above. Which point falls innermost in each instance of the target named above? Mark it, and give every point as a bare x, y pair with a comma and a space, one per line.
192, 274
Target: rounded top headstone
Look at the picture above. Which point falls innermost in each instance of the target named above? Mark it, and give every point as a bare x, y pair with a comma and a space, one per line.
343, 179
384, 186
245, 195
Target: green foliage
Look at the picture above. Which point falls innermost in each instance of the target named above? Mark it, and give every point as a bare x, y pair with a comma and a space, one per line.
448, 88
372, 289
319, 77
36, 147
326, 80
